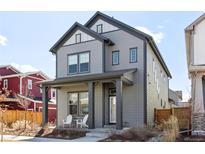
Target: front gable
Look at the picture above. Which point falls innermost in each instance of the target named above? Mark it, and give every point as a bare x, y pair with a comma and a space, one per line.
84, 37
8, 70
106, 27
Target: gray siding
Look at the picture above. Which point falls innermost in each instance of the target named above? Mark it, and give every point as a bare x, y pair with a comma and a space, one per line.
133, 96
123, 42
95, 47
153, 98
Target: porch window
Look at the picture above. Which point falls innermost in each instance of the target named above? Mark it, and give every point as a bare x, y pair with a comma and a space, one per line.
72, 64
78, 103
83, 103
115, 57
73, 103
84, 62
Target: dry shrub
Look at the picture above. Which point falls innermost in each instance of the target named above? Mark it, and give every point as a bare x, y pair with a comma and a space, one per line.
134, 134
4, 125
170, 129
19, 125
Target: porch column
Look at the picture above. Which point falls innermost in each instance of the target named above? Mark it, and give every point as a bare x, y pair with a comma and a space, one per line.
45, 105
119, 85
91, 105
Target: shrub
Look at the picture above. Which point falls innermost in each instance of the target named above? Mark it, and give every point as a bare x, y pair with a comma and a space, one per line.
170, 129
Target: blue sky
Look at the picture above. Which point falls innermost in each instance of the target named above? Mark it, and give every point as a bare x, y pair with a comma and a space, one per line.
26, 37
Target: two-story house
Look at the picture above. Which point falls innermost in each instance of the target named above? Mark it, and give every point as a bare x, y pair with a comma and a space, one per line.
195, 38
26, 85
110, 71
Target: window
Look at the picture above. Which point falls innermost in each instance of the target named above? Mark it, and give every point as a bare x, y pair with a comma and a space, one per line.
83, 103
115, 57
73, 103
5, 84
84, 62
29, 84
78, 38
53, 94
99, 28
79, 63
155, 75
78, 103
133, 55
153, 66
72, 64
161, 74
164, 78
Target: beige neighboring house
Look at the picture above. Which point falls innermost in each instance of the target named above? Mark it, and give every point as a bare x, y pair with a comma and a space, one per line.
110, 71
195, 48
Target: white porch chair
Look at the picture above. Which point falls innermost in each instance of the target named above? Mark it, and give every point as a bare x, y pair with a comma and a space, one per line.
82, 122
67, 121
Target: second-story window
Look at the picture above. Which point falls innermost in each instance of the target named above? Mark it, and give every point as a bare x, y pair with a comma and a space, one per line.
84, 62
78, 38
72, 64
5, 84
115, 57
99, 28
29, 84
79, 63
133, 55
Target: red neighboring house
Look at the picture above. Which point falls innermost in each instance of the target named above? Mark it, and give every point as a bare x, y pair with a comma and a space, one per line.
27, 86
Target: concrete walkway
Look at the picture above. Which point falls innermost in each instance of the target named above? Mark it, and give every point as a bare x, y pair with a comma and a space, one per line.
93, 135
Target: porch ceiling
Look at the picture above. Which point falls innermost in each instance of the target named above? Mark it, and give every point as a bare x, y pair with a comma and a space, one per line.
125, 75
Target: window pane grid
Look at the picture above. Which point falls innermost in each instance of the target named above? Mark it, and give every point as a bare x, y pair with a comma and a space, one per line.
78, 63
78, 103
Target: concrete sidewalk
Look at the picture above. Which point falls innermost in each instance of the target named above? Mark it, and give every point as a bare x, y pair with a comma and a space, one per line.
8, 138
93, 135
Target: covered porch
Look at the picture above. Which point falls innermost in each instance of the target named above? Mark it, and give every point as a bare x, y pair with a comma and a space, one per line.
101, 91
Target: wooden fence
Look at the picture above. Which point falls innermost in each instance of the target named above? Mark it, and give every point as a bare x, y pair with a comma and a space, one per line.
10, 116
183, 115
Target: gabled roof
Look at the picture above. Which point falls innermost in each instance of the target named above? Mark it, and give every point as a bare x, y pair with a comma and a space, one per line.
72, 30
25, 74
38, 72
196, 22
188, 31
11, 67
131, 30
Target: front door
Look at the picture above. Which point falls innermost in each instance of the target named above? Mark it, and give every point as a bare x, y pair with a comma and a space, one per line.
112, 106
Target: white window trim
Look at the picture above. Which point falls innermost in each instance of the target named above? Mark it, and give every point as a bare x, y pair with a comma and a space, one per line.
5, 84
30, 83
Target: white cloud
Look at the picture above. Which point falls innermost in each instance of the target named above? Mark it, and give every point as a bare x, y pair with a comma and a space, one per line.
3, 40
157, 36
24, 68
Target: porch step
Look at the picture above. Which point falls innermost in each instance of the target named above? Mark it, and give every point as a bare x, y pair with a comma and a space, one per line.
100, 135
100, 132
110, 126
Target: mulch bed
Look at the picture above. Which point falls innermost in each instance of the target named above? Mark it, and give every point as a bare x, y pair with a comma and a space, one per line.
133, 135
61, 134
